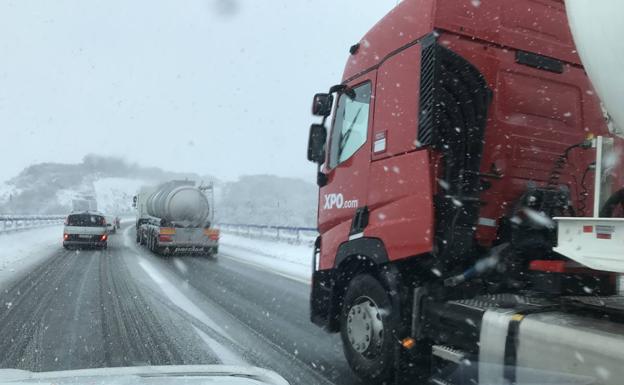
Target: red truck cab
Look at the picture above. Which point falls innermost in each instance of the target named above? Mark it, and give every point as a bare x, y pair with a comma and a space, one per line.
458, 126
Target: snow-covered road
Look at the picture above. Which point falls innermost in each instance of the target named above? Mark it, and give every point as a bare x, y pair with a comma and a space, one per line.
124, 306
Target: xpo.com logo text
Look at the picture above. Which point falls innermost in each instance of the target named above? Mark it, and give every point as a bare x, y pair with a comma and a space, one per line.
338, 201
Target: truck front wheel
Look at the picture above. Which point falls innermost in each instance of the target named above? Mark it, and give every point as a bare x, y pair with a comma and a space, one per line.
368, 324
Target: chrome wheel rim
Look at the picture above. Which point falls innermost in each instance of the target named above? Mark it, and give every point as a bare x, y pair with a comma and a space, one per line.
364, 327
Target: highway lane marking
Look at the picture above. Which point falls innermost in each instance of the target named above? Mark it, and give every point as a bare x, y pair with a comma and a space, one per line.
179, 299
305, 366
225, 355
175, 295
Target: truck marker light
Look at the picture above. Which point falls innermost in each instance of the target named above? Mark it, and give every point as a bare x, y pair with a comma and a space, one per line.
517, 317
165, 238
588, 229
408, 342
65, 236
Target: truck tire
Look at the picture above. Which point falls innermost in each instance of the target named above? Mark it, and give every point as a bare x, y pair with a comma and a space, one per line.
150, 243
367, 327
154, 245
138, 238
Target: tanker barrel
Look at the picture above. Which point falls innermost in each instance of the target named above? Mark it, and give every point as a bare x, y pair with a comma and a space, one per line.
597, 29
181, 204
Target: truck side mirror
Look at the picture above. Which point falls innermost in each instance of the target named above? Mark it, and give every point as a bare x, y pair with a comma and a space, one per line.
316, 143
322, 104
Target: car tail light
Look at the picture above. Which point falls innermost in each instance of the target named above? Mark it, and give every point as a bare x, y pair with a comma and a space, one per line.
165, 238
103, 237
65, 236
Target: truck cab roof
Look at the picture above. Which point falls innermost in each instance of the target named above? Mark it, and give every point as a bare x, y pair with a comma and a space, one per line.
539, 27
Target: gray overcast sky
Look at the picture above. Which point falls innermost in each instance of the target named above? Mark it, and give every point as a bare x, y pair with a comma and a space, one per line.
218, 87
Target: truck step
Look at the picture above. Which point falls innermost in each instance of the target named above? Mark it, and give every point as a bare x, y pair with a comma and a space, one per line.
447, 353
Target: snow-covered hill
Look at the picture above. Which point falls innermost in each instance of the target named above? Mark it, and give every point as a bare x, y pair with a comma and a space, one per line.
49, 188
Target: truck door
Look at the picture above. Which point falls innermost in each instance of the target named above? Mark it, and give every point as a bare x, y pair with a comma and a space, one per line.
346, 166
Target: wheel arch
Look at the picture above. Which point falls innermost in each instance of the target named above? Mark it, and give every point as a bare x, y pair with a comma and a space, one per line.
361, 256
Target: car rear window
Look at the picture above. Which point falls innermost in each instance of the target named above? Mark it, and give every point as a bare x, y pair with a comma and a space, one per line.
85, 220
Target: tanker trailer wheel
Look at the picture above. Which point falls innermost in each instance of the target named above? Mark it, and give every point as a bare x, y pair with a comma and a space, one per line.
148, 242
210, 253
154, 244
367, 327
158, 250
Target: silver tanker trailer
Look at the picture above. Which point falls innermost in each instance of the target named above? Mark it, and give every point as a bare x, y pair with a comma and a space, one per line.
174, 217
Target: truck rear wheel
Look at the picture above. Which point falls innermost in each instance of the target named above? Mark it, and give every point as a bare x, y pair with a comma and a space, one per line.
367, 327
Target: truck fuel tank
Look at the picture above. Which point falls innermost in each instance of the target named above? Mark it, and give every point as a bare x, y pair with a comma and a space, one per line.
551, 347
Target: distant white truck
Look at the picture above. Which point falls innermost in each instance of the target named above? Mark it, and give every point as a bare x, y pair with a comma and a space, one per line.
84, 203
174, 218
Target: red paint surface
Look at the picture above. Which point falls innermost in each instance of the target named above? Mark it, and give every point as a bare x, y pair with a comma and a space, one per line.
534, 116
548, 266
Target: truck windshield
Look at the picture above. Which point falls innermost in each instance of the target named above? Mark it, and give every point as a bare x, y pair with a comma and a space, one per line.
85, 220
350, 125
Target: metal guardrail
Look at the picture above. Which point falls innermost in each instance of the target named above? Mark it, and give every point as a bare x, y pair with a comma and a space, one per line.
280, 233
10, 223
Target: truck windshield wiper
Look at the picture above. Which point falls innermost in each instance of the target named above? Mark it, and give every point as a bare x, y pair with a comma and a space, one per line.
345, 138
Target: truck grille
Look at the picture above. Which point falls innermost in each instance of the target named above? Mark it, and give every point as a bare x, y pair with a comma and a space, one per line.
427, 70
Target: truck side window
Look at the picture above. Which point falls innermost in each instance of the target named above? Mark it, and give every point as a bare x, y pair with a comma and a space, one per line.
350, 125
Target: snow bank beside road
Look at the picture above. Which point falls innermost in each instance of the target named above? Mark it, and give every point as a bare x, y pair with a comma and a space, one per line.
21, 250
292, 261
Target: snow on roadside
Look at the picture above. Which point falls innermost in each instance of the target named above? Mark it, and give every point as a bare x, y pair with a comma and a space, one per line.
293, 261
21, 250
